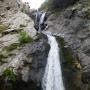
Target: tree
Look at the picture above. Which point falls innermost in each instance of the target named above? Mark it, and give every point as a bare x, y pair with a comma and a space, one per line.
53, 4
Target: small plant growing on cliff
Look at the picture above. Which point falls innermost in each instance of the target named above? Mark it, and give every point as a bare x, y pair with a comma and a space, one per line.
24, 38
9, 74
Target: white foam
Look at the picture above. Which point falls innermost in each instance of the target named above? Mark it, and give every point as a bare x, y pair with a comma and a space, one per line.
52, 79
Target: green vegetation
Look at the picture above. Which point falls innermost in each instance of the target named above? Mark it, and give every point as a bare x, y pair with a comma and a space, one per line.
12, 47
24, 38
6, 52
3, 27
2, 62
47, 5
44, 6
8, 73
56, 4
2, 57
67, 52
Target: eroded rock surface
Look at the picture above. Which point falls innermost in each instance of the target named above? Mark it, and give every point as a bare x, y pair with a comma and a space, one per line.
73, 24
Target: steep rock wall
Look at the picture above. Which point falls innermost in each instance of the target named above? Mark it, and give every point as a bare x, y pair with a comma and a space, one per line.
73, 24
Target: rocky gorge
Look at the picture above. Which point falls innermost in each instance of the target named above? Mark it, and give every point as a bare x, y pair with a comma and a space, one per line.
73, 25
23, 53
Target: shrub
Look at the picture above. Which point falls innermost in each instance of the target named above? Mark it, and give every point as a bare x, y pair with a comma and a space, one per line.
53, 4
44, 6
24, 37
8, 73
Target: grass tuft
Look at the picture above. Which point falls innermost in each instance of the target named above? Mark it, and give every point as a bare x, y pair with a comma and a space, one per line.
24, 38
8, 73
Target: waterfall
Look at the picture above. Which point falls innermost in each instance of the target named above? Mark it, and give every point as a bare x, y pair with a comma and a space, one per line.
41, 20
52, 79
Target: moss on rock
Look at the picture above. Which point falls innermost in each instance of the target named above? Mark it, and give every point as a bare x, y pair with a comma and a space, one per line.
12, 47
66, 51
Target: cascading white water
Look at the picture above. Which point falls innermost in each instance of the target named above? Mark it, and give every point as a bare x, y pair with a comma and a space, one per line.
41, 21
52, 79
42, 18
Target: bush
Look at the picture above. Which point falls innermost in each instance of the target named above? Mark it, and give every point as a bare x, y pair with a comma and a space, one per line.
24, 37
53, 4
8, 73
44, 6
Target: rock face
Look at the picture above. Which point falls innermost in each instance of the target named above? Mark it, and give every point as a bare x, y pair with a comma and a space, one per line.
21, 21
73, 24
28, 63
6, 5
27, 60
17, 23
10, 7
25, 8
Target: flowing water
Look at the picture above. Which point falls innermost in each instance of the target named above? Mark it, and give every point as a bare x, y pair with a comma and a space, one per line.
52, 79
41, 21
